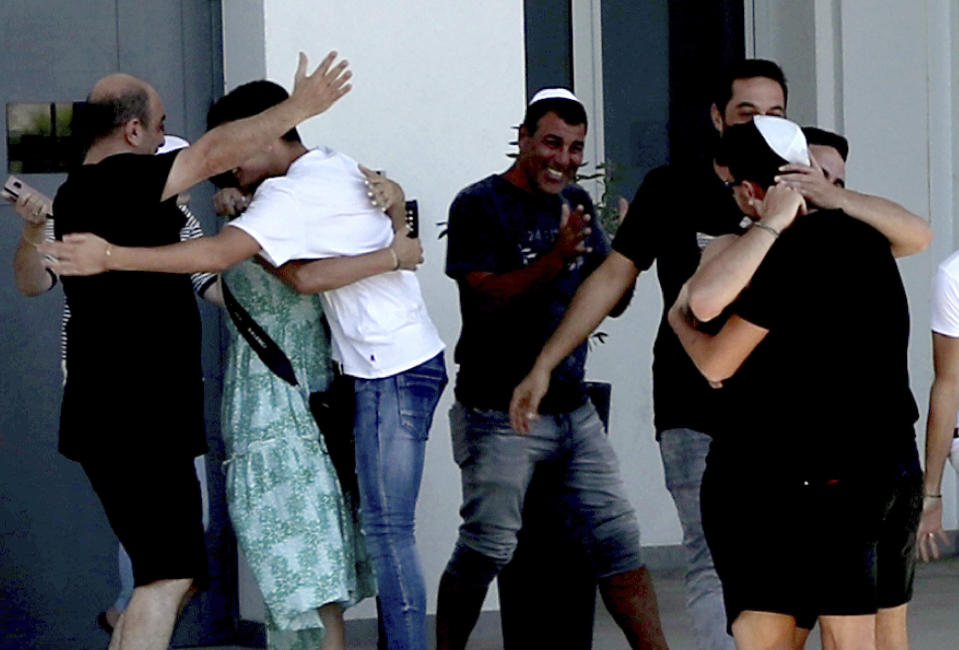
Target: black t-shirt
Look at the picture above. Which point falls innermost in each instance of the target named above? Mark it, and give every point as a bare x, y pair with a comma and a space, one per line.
497, 227
825, 394
134, 380
677, 210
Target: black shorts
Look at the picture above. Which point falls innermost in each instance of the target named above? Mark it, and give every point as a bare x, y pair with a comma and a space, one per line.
154, 506
812, 549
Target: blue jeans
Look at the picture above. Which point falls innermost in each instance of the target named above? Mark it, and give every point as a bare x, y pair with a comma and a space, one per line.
393, 417
496, 465
684, 461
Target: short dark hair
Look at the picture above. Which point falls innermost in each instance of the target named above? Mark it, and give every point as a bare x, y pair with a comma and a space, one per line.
97, 119
822, 137
749, 157
248, 100
570, 111
747, 69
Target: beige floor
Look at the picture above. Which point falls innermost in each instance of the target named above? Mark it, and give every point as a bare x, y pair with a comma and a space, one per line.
933, 616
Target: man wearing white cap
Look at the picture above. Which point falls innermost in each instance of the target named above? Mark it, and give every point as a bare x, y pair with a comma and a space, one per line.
677, 211
812, 489
519, 246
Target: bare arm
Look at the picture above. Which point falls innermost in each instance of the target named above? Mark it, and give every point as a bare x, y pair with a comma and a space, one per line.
87, 254
31, 275
322, 275
594, 300
729, 263
943, 406
718, 356
907, 233
228, 145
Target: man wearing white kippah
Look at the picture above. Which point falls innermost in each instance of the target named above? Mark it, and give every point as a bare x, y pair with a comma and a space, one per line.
519, 246
812, 488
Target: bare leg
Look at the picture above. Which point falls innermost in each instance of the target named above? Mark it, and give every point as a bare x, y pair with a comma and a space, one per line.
849, 632
631, 600
891, 628
764, 631
147, 623
332, 616
800, 638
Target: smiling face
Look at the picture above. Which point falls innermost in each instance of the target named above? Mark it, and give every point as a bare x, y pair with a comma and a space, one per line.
750, 97
549, 158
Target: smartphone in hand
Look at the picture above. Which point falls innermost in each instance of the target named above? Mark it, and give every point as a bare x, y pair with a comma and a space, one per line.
13, 188
413, 218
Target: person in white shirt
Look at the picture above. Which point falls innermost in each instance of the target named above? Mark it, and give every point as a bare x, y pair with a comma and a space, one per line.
942, 425
321, 205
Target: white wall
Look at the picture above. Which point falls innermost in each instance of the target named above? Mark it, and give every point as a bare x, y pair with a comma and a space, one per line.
885, 76
438, 84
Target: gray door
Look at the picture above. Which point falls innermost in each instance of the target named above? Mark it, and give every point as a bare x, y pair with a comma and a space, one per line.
58, 557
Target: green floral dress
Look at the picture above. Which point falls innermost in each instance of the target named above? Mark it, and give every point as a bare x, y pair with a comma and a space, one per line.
291, 522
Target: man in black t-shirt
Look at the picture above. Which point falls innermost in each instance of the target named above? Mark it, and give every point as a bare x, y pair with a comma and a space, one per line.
519, 246
132, 412
816, 448
677, 211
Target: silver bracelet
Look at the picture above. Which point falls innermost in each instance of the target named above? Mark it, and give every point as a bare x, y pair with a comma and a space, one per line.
766, 227
396, 260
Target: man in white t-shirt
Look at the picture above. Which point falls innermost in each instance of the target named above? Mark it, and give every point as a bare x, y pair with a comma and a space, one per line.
321, 205
942, 425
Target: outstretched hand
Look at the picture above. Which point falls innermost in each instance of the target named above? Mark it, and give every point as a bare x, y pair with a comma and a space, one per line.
524, 405
78, 254
318, 91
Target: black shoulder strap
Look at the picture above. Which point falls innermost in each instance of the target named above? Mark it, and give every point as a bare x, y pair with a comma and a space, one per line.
264, 346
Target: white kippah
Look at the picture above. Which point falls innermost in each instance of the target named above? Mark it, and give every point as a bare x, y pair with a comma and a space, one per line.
554, 93
785, 138
172, 143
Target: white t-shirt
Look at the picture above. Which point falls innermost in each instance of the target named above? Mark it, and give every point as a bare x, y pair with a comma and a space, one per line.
320, 209
945, 299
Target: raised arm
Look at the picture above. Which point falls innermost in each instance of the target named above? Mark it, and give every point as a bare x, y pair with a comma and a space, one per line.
32, 277
907, 233
594, 300
717, 356
228, 145
729, 262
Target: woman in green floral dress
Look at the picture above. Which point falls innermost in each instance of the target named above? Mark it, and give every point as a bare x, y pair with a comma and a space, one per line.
292, 523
